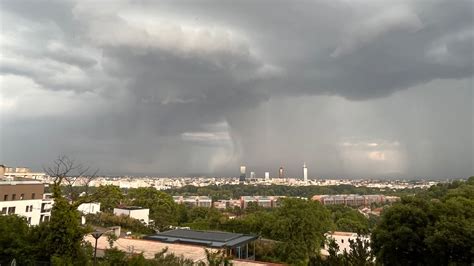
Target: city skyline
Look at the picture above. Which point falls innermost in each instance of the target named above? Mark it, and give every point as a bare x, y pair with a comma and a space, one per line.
250, 132
367, 89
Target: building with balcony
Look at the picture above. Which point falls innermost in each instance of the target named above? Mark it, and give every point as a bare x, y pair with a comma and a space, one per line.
354, 200
262, 201
24, 197
194, 201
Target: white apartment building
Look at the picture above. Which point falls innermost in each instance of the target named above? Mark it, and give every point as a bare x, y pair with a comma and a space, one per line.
139, 213
25, 198
10, 173
267, 176
342, 240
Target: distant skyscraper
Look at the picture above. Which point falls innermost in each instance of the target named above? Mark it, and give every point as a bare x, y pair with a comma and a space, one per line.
242, 174
305, 172
281, 174
267, 176
252, 175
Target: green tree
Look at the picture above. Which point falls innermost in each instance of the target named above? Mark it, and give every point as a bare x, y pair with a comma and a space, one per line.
114, 256
61, 238
359, 253
164, 258
334, 257
451, 237
430, 228
14, 239
109, 196
216, 258
182, 214
348, 219
108, 219
111, 238
399, 237
65, 234
163, 210
139, 260
203, 218
301, 226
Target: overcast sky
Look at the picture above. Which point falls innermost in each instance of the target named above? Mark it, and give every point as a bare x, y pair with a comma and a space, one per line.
355, 89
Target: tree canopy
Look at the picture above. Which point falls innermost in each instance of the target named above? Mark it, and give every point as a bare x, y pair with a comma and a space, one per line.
163, 209
436, 227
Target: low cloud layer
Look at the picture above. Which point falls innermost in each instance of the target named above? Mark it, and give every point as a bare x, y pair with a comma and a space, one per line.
355, 89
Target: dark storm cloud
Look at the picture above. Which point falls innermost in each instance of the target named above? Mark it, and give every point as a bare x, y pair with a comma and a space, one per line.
356, 50
179, 86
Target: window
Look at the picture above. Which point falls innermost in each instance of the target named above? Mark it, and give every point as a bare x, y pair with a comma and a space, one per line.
31, 208
44, 218
11, 210
342, 240
29, 220
5, 197
14, 197
27, 208
4, 210
33, 195
22, 196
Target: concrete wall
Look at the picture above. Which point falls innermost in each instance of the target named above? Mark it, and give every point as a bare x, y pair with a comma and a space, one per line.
87, 208
139, 214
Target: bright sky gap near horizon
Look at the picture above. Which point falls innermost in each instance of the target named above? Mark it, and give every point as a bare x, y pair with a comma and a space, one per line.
353, 88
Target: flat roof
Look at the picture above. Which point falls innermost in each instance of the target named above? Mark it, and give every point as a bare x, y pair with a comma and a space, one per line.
150, 248
20, 181
215, 239
131, 208
339, 233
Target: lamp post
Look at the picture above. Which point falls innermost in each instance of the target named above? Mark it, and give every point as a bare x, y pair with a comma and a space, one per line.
96, 234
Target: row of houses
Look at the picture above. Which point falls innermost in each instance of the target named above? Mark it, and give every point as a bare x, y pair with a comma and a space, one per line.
243, 202
273, 201
354, 200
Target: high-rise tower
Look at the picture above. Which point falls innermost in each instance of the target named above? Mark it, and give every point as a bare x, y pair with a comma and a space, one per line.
267, 176
305, 173
281, 173
242, 174
252, 176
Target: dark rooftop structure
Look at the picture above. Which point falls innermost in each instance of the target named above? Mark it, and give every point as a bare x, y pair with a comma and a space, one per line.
130, 208
235, 244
